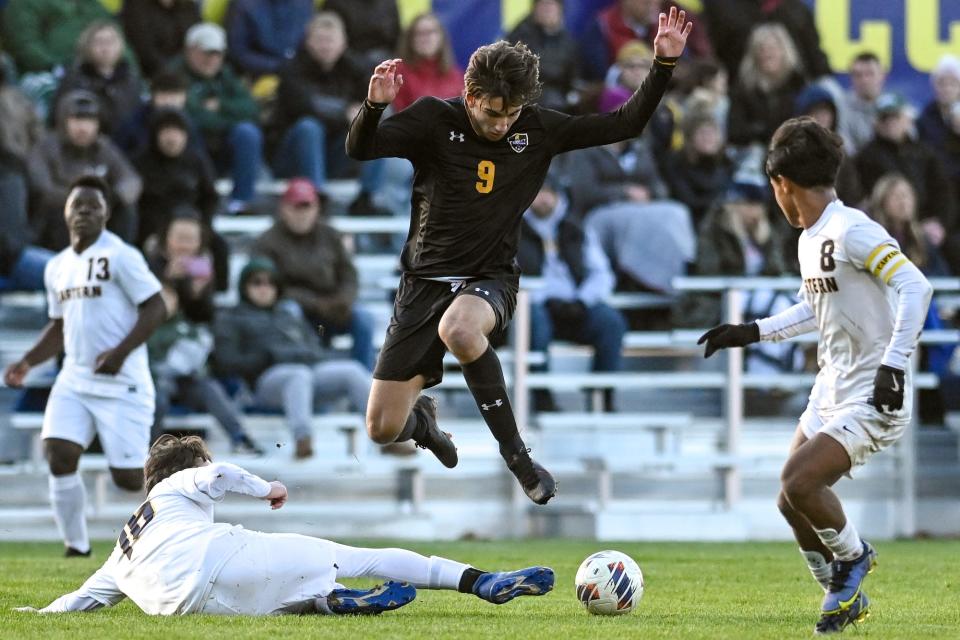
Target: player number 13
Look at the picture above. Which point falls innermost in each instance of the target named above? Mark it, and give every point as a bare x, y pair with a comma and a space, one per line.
485, 171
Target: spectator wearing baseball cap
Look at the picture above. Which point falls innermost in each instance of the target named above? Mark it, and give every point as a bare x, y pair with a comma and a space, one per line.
75, 148
223, 110
316, 268
893, 150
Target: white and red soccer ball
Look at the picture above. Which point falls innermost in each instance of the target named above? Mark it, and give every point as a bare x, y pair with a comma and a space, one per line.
609, 583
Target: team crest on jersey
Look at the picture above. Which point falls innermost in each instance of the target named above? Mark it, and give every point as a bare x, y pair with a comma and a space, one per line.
518, 141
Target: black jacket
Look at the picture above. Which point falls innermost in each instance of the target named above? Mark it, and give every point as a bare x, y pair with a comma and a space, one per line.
119, 95
559, 61
308, 90
155, 33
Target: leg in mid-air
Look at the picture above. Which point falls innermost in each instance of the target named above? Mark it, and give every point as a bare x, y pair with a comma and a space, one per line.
464, 328
397, 412
810, 472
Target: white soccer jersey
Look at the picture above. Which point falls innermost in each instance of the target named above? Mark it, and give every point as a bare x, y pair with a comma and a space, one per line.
852, 272
97, 293
170, 551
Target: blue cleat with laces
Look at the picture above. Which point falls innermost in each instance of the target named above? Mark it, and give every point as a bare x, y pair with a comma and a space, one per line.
503, 586
836, 622
848, 576
385, 597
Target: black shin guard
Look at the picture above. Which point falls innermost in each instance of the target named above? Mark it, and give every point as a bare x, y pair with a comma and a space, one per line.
484, 377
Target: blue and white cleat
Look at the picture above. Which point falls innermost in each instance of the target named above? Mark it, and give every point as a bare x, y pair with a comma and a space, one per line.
848, 576
503, 586
385, 597
836, 622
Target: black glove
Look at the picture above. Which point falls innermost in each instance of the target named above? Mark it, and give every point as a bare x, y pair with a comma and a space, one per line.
887, 390
729, 335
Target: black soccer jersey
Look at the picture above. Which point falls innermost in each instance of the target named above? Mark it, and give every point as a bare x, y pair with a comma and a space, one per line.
469, 193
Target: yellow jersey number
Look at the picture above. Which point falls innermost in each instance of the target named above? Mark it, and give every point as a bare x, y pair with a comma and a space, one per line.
485, 171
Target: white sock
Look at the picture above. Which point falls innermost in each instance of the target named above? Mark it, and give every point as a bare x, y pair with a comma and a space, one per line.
819, 567
845, 545
399, 564
69, 500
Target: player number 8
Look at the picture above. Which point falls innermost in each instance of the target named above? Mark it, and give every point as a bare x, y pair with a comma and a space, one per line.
827, 263
485, 171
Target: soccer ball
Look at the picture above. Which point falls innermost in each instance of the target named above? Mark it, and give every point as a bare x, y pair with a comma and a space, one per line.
609, 583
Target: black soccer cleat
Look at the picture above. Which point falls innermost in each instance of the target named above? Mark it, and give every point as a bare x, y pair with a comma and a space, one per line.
70, 552
437, 441
536, 481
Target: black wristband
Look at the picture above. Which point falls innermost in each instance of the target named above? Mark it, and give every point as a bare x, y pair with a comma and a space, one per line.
375, 106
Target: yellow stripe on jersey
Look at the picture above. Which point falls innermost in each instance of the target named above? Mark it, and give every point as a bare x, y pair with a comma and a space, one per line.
892, 270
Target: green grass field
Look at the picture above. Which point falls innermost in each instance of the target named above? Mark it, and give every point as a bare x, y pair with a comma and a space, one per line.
692, 591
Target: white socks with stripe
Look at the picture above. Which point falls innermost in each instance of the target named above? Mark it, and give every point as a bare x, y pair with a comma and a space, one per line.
819, 567
845, 545
69, 500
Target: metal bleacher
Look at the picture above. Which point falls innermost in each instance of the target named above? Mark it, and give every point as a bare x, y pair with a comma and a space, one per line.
684, 454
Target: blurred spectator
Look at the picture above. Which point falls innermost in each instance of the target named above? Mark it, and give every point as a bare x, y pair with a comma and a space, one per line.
21, 263
319, 94
708, 91
100, 69
223, 109
867, 77
315, 268
892, 150
627, 20
168, 90
939, 124
699, 173
268, 343
174, 174
428, 67
262, 35
577, 279
182, 262
544, 32
373, 28
820, 104
730, 24
20, 126
771, 77
179, 350
623, 78
42, 34
76, 147
156, 29
893, 204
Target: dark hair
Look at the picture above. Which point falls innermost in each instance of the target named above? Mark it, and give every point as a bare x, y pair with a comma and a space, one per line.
805, 152
866, 56
170, 454
90, 181
405, 50
169, 82
504, 70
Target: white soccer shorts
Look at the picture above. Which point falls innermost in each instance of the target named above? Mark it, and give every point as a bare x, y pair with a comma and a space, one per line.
860, 429
123, 423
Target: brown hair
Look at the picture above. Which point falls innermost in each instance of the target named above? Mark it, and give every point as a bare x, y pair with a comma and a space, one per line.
170, 454
504, 70
85, 40
910, 235
406, 51
805, 152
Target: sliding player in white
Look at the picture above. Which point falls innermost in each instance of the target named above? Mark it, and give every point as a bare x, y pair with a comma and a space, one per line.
103, 304
172, 559
869, 303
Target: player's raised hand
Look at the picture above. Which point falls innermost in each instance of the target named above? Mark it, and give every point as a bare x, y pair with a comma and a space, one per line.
385, 82
672, 33
729, 335
15, 373
110, 362
277, 496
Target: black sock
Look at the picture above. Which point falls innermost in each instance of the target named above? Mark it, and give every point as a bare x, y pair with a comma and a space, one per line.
484, 377
468, 579
414, 428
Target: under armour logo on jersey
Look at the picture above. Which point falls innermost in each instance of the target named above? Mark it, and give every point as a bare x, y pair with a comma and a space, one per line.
493, 405
456, 136
483, 291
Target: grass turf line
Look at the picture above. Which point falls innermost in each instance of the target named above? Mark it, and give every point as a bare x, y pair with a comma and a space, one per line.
696, 591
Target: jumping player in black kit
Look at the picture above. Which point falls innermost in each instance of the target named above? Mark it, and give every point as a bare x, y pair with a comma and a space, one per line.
479, 161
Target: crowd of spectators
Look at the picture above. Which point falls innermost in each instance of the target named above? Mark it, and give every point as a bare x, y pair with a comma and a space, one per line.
161, 104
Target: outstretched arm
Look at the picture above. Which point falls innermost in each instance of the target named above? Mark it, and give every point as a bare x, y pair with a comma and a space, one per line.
212, 482
796, 320
100, 590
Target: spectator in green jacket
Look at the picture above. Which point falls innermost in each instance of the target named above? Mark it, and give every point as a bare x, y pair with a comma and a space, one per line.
42, 34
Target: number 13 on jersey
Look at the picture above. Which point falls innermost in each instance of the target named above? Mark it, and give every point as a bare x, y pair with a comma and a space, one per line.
485, 171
